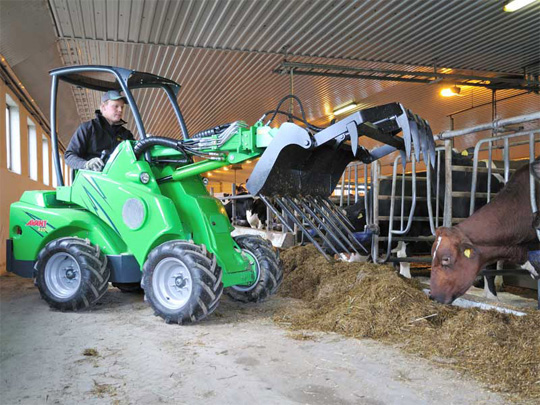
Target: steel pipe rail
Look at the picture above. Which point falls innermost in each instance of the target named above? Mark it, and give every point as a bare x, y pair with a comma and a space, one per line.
495, 124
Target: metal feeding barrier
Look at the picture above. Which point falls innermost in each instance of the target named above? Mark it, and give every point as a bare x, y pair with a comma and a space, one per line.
317, 217
433, 198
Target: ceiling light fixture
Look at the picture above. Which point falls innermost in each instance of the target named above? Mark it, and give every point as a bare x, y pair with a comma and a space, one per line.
345, 108
450, 91
516, 5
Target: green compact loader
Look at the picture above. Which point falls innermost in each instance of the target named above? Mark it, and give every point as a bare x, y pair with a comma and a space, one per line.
147, 219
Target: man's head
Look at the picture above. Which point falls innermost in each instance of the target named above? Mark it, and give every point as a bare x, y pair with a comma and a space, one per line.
112, 106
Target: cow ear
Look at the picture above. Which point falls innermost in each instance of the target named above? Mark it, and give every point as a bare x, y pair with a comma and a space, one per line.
468, 250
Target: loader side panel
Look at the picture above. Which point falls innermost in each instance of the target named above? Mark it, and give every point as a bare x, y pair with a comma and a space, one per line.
39, 218
206, 218
135, 212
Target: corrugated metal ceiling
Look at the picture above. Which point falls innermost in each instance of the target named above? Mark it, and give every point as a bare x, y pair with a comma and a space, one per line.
473, 34
223, 53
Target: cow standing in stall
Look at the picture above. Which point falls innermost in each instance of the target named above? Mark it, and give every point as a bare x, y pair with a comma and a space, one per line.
461, 182
249, 212
500, 230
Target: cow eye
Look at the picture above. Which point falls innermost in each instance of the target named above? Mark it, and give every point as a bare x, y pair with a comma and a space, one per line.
445, 261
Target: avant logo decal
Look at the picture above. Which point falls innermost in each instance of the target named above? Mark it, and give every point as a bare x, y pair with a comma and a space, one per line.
40, 223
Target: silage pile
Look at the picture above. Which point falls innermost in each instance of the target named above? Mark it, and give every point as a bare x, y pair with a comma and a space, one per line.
365, 300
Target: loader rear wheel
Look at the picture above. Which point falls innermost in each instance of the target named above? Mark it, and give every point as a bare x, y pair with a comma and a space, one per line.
182, 282
71, 274
267, 266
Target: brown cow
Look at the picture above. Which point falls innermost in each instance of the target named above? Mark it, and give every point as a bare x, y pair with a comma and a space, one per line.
500, 230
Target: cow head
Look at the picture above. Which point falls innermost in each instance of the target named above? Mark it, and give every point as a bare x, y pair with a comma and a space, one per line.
455, 265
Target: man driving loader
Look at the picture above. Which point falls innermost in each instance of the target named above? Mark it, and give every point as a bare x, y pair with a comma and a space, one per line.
98, 137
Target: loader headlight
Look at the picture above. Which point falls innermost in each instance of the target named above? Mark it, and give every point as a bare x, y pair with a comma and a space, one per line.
133, 213
144, 178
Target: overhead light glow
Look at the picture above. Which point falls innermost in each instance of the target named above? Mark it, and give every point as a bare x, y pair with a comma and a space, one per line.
345, 108
516, 5
450, 91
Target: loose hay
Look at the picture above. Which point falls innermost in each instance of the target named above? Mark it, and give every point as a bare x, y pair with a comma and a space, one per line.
100, 390
365, 300
90, 352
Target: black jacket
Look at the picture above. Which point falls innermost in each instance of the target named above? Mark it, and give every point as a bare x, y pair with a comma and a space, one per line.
91, 138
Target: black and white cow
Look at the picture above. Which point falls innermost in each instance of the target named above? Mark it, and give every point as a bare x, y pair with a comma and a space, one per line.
249, 212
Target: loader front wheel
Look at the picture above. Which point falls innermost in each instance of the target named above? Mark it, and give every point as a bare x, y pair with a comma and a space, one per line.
71, 274
182, 282
266, 264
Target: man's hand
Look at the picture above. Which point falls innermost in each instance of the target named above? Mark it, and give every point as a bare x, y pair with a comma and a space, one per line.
95, 164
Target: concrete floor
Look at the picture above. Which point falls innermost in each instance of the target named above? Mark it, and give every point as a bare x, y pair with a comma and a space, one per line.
238, 356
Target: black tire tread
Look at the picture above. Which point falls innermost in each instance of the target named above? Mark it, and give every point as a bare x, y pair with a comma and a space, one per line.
206, 278
270, 267
95, 273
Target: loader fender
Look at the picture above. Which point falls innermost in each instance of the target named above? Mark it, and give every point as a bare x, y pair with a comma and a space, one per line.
34, 223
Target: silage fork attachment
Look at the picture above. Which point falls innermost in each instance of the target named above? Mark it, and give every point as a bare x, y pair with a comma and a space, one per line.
298, 171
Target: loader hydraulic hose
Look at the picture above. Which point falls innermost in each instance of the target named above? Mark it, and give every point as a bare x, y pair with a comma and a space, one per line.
144, 144
282, 101
294, 117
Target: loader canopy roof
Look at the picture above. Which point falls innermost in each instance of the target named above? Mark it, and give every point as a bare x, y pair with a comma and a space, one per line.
105, 78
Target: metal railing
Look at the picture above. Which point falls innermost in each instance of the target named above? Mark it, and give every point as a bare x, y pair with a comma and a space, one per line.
372, 196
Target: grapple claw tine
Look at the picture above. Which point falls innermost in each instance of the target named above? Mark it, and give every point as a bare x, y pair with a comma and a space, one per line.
403, 159
407, 140
404, 123
353, 135
414, 132
432, 146
422, 134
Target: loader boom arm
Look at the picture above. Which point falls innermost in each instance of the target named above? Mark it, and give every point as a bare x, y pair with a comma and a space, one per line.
294, 161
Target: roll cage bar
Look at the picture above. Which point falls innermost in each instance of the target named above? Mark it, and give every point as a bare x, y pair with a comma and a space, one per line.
126, 80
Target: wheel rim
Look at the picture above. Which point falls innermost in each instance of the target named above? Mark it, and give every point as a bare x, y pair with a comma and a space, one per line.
62, 275
172, 283
256, 267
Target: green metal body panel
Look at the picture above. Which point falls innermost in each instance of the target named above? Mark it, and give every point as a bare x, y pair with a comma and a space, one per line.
247, 143
195, 169
206, 218
39, 218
